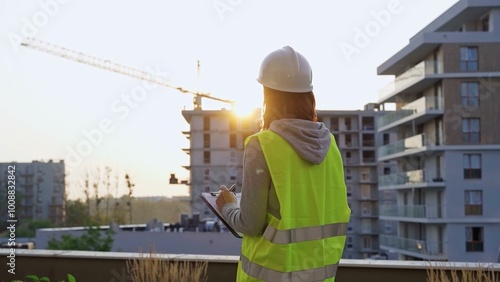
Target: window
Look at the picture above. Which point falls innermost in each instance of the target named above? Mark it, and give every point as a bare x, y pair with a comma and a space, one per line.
206, 123
347, 122
233, 172
232, 140
334, 124
365, 192
365, 176
348, 156
472, 166
366, 225
367, 243
485, 22
206, 140
232, 124
206, 157
388, 227
386, 138
473, 202
336, 136
348, 140
471, 130
349, 191
469, 92
369, 140
474, 239
349, 244
468, 59
206, 176
348, 176
368, 156
349, 227
365, 209
368, 123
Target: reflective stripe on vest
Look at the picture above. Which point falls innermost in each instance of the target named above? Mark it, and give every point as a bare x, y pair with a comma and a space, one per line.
304, 234
267, 274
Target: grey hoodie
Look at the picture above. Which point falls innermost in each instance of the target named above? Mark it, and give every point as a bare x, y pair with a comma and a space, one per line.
311, 141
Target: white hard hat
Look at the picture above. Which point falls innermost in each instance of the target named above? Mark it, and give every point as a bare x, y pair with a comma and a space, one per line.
286, 70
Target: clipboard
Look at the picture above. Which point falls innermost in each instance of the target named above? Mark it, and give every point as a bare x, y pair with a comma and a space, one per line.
209, 200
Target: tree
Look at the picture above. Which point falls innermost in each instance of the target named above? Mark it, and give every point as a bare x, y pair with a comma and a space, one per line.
29, 227
130, 187
107, 183
95, 184
92, 240
76, 213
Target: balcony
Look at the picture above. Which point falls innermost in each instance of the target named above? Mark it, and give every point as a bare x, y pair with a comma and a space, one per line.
349, 145
409, 179
413, 80
413, 247
411, 212
367, 214
367, 179
416, 112
368, 143
412, 145
372, 229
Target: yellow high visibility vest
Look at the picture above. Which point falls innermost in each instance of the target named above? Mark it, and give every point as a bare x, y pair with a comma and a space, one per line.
306, 244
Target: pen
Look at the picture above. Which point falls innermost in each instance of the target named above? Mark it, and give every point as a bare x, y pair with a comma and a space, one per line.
231, 189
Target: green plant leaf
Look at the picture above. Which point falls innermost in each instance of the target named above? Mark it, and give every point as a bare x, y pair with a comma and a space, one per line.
71, 278
33, 277
44, 279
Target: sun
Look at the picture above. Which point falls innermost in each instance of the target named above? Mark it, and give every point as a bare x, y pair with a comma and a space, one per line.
244, 110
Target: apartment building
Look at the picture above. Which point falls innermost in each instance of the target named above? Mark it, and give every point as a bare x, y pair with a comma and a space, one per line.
216, 151
357, 138
447, 96
216, 157
39, 190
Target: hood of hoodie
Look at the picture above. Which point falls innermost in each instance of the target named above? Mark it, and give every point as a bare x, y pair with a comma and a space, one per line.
311, 140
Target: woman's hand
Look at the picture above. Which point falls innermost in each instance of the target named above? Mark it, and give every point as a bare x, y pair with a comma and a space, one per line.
225, 197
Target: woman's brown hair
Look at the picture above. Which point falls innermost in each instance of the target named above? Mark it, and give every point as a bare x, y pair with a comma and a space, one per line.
279, 104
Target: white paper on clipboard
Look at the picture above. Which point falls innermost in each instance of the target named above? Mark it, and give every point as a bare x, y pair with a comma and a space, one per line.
209, 200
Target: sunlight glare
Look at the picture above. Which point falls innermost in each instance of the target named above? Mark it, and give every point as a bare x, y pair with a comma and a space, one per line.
244, 109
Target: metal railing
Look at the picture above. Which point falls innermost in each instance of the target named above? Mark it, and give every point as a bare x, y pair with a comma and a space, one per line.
426, 248
402, 178
415, 211
414, 142
414, 108
410, 77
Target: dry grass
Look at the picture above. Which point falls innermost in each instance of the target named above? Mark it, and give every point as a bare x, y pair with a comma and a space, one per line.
439, 272
152, 267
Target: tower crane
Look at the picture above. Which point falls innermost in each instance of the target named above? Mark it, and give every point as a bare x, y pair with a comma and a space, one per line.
80, 57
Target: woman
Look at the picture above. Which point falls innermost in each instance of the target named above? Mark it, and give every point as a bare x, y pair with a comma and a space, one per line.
293, 211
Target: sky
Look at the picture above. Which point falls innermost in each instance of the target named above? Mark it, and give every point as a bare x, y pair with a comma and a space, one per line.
53, 108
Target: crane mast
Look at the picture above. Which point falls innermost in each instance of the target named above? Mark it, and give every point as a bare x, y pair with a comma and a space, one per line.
115, 67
